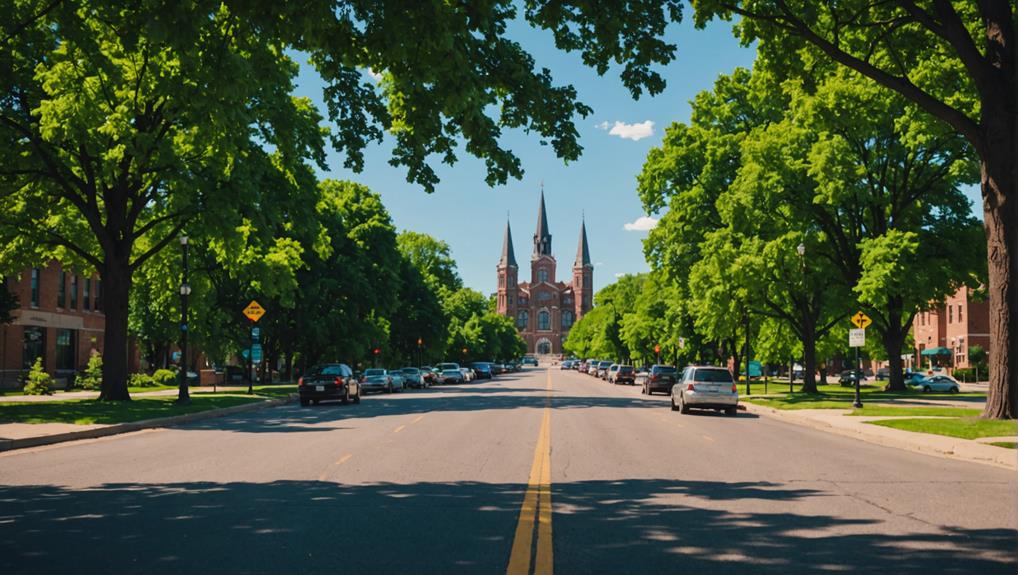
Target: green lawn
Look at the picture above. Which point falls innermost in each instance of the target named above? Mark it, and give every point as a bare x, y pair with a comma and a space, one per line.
963, 427
87, 411
916, 411
837, 397
1007, 444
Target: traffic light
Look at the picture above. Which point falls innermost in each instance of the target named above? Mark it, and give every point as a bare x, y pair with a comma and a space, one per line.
377, 350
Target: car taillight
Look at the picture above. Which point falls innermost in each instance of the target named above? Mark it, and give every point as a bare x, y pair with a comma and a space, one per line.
690, 387
300, 381
338, 381
735, 388
655, 377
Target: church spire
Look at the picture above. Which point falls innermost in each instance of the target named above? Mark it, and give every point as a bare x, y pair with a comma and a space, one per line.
542, 238
582, 251
508, 254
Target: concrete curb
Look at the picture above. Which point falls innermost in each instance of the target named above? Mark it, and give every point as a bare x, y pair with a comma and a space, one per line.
118, 428
928, 444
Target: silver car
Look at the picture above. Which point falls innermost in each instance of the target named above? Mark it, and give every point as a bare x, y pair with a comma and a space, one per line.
705, 387
936, 383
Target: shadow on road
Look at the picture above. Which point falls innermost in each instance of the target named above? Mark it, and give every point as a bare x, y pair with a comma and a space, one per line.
626, 526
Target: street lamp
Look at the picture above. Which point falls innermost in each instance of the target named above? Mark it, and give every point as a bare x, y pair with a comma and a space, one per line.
183, 397
801, 250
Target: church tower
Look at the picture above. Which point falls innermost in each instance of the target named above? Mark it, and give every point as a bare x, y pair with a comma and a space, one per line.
542, 263
508, 275
583, 275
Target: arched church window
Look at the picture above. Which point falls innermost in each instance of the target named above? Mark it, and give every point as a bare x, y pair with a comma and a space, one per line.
567, 319
542, 275
522, 319
543, 320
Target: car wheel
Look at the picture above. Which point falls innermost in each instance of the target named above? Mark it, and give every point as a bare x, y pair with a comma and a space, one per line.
674, 407
357, 398
954, 390
305, 402
643, 390
346, 396
926, 389
731, 411
683, 408
316, 401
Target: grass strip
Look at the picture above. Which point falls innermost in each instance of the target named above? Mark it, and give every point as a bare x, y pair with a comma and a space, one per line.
962, 427
932, 411
89, 411
1007, 444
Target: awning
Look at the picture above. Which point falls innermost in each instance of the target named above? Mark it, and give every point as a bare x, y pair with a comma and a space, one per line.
937, 351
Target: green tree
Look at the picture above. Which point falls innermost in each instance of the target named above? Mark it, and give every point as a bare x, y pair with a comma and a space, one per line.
957, 62
38, 381
433, 258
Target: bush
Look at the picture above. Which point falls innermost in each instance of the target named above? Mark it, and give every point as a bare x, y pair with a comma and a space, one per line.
39, 382
140, 380
969, 373
92, 378
165, 377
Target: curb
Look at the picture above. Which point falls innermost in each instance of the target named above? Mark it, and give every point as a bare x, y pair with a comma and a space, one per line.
118, 428
1008, 459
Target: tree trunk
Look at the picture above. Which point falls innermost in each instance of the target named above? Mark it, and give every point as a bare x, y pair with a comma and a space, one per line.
809, 359
116, 278
893, 339
1000, 217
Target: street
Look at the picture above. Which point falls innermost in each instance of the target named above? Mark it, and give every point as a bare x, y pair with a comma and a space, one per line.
532, 470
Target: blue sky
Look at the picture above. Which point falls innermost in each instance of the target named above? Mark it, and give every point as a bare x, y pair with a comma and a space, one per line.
469, 215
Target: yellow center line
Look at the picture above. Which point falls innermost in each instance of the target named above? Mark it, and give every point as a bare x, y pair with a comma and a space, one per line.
398, 429
339, 461
707, 437
536, 507
419, 417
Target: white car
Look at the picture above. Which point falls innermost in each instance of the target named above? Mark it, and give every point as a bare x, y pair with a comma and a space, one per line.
468, 374
936, 383
705, 387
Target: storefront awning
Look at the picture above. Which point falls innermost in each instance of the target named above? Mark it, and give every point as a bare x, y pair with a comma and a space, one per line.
937, 351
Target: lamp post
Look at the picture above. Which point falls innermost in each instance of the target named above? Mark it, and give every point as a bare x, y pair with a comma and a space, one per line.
801, 250
183, 396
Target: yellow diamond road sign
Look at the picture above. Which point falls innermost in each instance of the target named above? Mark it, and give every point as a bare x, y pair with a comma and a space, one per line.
254, 311
861, 320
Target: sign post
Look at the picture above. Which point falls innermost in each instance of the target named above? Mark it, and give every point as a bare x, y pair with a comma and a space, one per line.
254, 312
857, 339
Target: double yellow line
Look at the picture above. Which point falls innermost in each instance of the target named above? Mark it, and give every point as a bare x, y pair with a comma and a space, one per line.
536, 507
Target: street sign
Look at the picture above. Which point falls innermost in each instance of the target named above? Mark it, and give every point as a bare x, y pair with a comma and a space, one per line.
856, 337
861, 320
682, 342
256, 353
254, 311
256, 334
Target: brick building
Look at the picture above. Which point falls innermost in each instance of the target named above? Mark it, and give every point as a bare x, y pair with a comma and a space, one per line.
544, 309
956, 326
60, 319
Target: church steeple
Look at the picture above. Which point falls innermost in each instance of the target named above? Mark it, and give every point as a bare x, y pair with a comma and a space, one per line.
542, 238
508, 254
582, 251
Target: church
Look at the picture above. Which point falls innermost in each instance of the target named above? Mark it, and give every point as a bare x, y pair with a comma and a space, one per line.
544, 308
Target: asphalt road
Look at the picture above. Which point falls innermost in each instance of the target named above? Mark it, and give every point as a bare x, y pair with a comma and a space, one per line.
533, 470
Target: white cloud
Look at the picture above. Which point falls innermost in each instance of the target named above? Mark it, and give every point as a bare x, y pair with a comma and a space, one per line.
598, 264
629, 131
619, 275
376, 76
642, 224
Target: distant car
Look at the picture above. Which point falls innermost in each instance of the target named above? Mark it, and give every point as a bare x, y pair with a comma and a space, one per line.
468, 374
850, 376
482, 369
624, 374
912, 377
529, 360
567, 364
609, 375
414, 378
705, 387
937, 383
602, 369
447, 365
430, 376
582, 368
329, 381
883, 374
376, 380
398, 380
451, 376
657, 378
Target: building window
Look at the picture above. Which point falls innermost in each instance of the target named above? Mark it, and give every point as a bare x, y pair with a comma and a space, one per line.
522, 319
567, 319
33, 346
65, 349
62, 289
543, 320
543, 296
950, 314
542, 275
567, 299
959, 313
74, 292
86, 294
98, 295
35, 287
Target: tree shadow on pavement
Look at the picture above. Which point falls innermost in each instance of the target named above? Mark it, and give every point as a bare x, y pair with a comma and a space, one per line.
625, 526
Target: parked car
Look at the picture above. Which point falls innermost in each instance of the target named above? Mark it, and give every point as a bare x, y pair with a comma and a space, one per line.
398, 379
883, 374
567, 364
582, 368
329, 381
468, 374
624, 374
850, 376
530, 360
657, 378
602, 369
376, 380
414, 378
705, 387
912, 377
936, 383
450, 376
482, 369
430, 375
446, 366
609, 374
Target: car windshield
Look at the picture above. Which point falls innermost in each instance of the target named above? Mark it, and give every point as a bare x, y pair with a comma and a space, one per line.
664, 369
411, 370
713, 376
626, 369
370, 372
327, 370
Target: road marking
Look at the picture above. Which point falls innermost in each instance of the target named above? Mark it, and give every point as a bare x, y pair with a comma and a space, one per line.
398, 429
707, 437
536, 507
338, 462
419, 417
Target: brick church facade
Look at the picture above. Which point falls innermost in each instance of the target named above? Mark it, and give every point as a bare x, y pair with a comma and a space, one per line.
543, 308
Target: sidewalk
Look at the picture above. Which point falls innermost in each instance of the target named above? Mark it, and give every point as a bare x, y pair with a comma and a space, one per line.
95, 394
24, 435
835, 421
